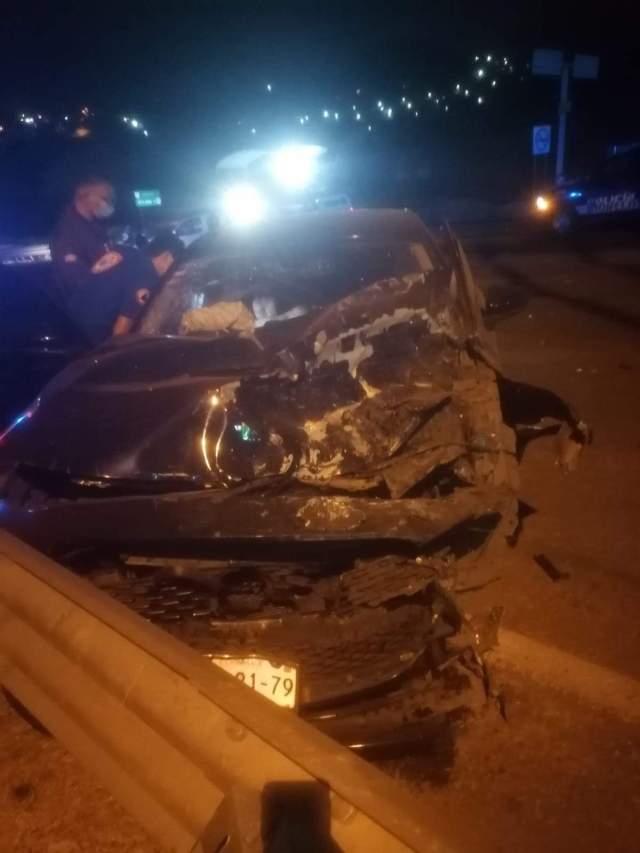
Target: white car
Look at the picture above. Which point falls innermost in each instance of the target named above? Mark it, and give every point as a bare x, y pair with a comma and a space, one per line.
195, 226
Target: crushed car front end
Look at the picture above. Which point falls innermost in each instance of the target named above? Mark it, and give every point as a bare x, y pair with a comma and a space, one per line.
303, 489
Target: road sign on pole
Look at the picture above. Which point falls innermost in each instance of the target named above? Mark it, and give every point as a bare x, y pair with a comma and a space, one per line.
553, 63
541, 141
563, 109
147, 198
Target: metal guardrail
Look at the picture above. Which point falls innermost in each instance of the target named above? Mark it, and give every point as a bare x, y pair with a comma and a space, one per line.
196, 756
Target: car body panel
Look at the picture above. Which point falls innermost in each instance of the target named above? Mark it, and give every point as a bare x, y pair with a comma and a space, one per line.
300, 489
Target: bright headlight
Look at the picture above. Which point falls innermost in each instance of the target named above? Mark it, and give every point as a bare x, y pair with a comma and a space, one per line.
244, 205
542, 203
295, 166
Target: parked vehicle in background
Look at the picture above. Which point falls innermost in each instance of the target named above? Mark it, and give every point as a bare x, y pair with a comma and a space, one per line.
610, 192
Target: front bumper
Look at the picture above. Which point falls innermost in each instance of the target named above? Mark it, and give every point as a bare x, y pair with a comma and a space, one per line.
355, 592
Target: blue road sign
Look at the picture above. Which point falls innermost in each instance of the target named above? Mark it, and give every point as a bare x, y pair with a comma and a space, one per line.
541, 139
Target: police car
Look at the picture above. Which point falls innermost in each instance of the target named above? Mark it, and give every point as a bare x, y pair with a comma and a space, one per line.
611, 191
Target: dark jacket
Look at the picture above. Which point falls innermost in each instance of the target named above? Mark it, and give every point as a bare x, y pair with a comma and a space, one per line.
76, 245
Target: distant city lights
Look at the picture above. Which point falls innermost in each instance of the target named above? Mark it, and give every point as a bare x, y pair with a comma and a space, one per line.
480, 81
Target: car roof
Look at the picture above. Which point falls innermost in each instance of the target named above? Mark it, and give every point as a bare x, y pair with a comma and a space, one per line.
388, 226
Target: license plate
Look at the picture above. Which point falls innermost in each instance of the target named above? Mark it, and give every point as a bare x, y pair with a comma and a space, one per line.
278, 683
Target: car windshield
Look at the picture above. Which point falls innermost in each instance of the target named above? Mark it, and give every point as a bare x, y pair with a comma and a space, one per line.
245, 289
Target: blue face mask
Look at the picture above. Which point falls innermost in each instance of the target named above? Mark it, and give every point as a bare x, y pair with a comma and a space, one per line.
103, 209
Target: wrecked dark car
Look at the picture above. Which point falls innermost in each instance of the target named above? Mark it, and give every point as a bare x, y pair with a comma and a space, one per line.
287, 463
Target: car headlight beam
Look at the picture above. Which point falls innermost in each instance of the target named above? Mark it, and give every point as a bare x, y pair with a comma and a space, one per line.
294, 167
244, 205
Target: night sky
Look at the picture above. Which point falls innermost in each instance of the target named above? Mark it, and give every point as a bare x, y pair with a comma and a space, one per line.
197, 73
167, 57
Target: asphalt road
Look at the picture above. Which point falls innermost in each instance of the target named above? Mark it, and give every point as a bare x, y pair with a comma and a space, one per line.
562, 772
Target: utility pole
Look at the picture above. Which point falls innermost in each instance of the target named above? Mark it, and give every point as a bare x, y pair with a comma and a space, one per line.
563, 109
553, 63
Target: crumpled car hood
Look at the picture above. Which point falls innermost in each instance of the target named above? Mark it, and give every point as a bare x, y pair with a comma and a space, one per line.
373, 394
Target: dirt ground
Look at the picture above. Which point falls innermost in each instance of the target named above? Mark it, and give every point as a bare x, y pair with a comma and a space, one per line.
558, 775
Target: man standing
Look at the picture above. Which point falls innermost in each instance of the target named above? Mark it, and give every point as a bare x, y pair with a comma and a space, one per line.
81, 238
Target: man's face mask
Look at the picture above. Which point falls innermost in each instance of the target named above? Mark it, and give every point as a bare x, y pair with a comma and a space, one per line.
103, 208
